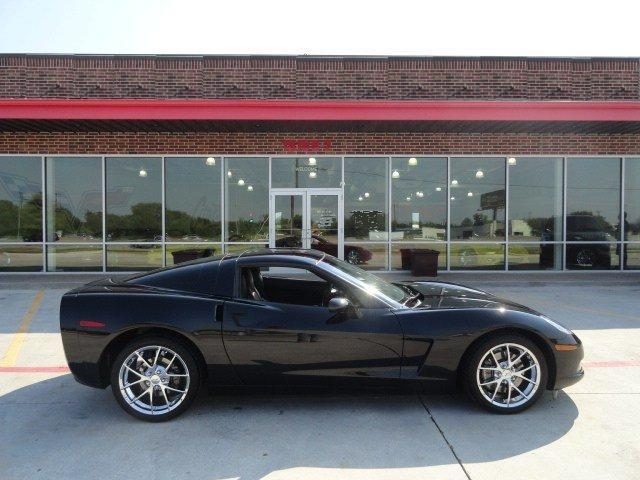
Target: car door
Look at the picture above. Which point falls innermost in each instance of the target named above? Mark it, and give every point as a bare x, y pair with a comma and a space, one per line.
285, 343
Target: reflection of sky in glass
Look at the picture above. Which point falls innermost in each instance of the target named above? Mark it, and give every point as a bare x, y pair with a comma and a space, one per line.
535, 188
20, 177
593, 185
243, 203
365, 175
193, 187
126, 187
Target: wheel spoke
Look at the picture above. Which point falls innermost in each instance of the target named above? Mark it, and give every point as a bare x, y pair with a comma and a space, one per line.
128, 385
521, 392
496, 391
177, 374
142, 358
525, 369
174, 389
490, 382
133, 371
508, 393
171, 362
518, 359
525, 378
155, 360
151, 399
495, 359
166, 399
139, 396
508, 357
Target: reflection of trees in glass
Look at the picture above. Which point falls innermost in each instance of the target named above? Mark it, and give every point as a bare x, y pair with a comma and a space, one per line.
22, 221
144, 222
179, 224
589, 222
69, 224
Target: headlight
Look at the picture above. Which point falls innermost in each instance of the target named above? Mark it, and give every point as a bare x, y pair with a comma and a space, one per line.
556, 325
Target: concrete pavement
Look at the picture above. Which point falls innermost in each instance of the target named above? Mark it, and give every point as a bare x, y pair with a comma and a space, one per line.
52, 427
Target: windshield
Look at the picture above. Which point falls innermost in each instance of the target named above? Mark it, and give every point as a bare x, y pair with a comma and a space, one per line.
370, 282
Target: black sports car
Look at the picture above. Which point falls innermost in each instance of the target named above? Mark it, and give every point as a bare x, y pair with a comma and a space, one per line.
300, 317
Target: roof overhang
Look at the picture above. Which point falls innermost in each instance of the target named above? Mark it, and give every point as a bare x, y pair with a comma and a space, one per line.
319, 110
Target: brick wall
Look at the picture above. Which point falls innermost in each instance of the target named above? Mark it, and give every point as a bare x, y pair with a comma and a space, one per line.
33, 76
340, 143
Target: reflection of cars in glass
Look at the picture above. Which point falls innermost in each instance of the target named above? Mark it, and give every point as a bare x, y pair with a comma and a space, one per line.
353, 254
585, 228
152, 336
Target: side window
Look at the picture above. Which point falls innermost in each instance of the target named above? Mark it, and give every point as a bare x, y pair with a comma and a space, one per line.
294, 286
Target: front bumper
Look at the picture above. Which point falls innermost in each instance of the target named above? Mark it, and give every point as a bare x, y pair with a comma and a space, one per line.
568, 368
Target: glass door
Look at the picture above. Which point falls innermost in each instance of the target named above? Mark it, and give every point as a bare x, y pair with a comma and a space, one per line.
307, 218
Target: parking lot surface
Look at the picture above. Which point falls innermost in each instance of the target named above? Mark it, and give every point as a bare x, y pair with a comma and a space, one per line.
53, 428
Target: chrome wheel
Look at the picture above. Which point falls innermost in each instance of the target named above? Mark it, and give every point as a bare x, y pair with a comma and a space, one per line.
584, 258
508, 375
353, 257
153, 380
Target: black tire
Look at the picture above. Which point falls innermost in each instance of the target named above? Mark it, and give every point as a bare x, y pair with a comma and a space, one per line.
471, 376
170, 346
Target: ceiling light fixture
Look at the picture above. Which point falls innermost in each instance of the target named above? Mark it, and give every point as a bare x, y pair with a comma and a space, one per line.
453, 198
250, 188
470, 194
479, 174
142, 173
512, 161
313, 174
366, 194
211, 161
438, 189
241, 182
360, 198
312, 161
408, 199
454, 182
413, 161
395, 174
229, 174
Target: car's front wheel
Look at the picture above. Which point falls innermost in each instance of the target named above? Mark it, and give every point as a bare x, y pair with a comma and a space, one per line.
155, 378
506, 373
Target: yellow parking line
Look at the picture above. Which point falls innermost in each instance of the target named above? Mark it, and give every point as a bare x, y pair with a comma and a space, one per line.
9, 359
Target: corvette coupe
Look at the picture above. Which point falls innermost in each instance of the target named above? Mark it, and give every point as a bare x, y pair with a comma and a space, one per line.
304, 318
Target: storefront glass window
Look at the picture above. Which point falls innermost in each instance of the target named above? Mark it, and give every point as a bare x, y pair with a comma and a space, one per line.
134, 199
20, 199
365, 199
247, 199
477, 196
192, 199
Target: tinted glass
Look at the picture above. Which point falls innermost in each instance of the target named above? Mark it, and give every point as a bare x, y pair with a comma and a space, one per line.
134, 199
192, 199
419, 198
247, 199
176, 253
535, 199
401, 254
311, 172
593, 199
74, 199
540, 256
632, 199
135, 257
20, 199
21, 258
74, 258
365, 199
592, 256
477, 198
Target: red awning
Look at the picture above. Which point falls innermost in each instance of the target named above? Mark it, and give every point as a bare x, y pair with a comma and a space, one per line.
318, 110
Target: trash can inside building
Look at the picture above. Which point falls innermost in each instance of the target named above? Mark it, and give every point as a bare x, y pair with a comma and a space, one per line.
424, 262
181, 256
405, 258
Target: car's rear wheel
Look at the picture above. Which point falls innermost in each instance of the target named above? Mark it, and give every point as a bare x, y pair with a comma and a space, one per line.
353, 257
506, 373
155, 378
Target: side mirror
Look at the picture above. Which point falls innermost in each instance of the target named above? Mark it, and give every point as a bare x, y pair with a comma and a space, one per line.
338, 304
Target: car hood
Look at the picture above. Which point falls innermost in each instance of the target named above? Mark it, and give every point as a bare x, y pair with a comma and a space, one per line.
452, 295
